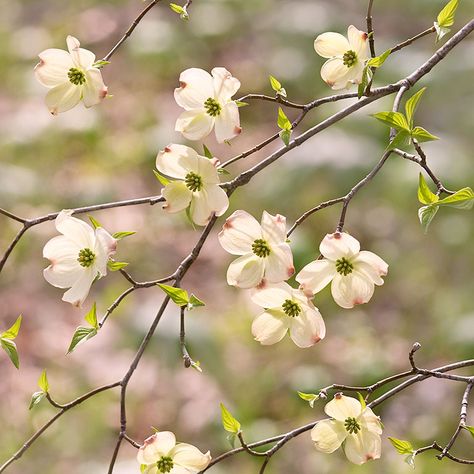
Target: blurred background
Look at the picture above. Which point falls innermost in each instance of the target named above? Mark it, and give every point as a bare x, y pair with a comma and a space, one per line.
107, 153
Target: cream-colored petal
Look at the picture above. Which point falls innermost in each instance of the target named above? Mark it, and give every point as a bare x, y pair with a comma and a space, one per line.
63, 97
194, 124
206, 168
94, 90
227, 123
82, 58
158, 445
53, 67
210, 200
78, 292
246, 271
64, 270
177, 195
352, 289
354, 75
358, 42
338, 245
270, 327
105, 247
176, 161
370, 421
239, 233
316, 275
189, 457
196, 86
279, 264
341, 407
328, 435
75, 229
225, 85
307, 328
331, 44
362, 447
371, 265
335, 74
272, 296
273, 228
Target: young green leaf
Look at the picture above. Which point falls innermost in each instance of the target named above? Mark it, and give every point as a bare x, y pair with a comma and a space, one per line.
207, 152
393, 119
275, 83
100, 64
470, 429
116, 266
122, 235
421, 135
43, 383
425, 195
81, 335
402, 447
12, 332
285, 135
10, 348
177, 295
410, 460
223, 171
426, 215
231, 438
462, 199
400, 140
91, 317
412, 104
283, 121
309, 397
361, 400
366, 78
36, 398
95, 223
446, 15
239, 103
164, 181
194, 302
177, 8
379, 60
229, 423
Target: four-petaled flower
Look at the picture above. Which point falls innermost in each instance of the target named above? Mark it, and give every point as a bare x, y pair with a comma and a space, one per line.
207, 103
77, 257
347, 57
353, 272
286, 309
355, 426
263, 249
161, 454
197, 184
70, 76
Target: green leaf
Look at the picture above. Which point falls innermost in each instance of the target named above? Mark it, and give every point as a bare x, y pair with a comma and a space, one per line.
285, 135
283, 121
95, 223
91, 317
229, 423
462, 199
81, 335
275, 83
361, 400
470, 429
426, 215
36, 398
239, 103
422, 135
100, 64
222, 171
393, 119
43, 383
446, 15
143, 467
440, 31
10, 348
116, 266
177, 9
207, 152
309, 397
366, 77
194, 302
231, 438
12, 332
164, 181
177, 295
402, 447
379, 60
122, 235
412, 104
410, 460
400, 140
425, 195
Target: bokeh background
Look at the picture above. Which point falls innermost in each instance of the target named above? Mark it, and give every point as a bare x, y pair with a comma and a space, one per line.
108, 153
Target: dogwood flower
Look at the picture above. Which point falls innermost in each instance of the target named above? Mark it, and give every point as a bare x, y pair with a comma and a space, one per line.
207, 103
77, 257
353, 272
70, 77
263, 249
197, 184
286, 309
161, 454
355, 426
347, 57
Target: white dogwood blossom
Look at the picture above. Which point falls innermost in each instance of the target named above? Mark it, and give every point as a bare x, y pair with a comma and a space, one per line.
77, 257
347, 57
196, 185
353, 272
207, 101
161, 454
286, 310
263, 250
70, 77
353, 425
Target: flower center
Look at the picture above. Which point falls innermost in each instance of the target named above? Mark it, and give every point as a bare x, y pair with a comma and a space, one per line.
193, 181
76, 76
291, 308
260, 248
213, 108
349, 58
343, 266
165, 464
86, 257
351, 425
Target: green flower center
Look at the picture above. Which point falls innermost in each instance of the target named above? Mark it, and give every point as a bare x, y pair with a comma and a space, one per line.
351, 425
193, 181
349, 58
344, 267
165, 464
291, 308
260, 248
213, 108
86, 257
76, 76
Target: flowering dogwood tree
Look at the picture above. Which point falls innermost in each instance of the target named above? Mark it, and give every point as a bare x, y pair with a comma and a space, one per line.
270, 273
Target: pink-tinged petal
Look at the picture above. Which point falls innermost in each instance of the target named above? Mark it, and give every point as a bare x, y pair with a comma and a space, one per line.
210, 200
370, 421
189, 457
246, 271
64, 269
82, 58
328, 435
94, 90
227, 123
239, 233
75, 229
63, 97
194, 124
307, 328
177, 195
362, 447
351, 290
358, 42
316, 275
225, 85
279, 264
176, 161
331, 44
273, 228
196, 86
338, 245
207, 170
78, 292
335, 74
270, 327
105, 247
53, 67
341, 407
272, 296
371, 265
158, 445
